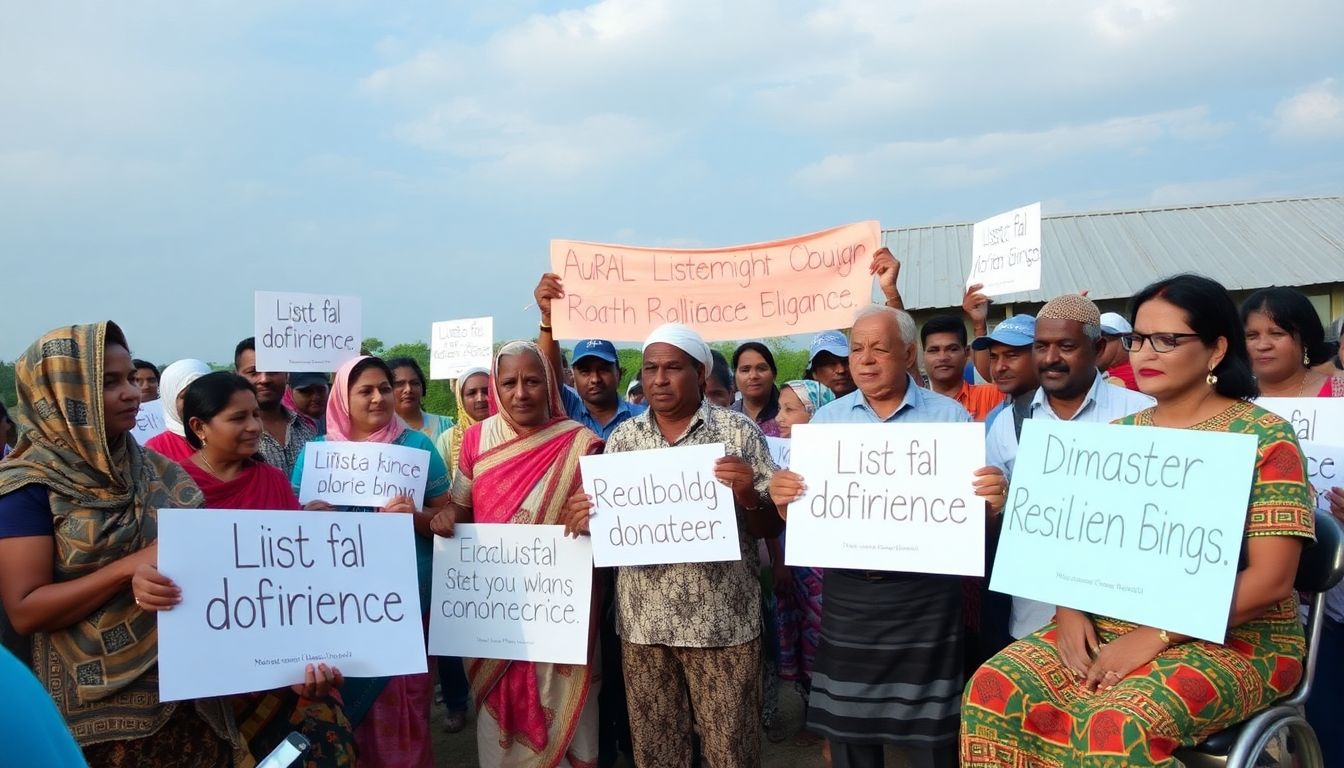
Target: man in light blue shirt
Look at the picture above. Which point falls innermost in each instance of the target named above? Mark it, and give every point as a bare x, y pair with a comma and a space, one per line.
1066, 345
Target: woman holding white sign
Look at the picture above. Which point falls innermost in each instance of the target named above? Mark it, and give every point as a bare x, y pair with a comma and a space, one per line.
521, 466
391, 713
1093, 688
78, 506
223, 426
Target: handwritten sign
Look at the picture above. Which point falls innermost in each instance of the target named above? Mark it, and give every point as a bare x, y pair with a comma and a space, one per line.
801, 284
1006, 252
1325, 469
520, 592
149, 422
362, 474
1313, 418
460, 345
1127, 522
888, 497
265, 593
660, 506
300, 332
780, 448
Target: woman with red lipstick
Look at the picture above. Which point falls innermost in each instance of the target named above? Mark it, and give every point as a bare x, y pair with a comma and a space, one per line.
391, 714
1286, 340
755, 371
1096, 690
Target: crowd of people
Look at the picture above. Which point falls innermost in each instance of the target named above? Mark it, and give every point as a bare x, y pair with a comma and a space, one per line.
685, 659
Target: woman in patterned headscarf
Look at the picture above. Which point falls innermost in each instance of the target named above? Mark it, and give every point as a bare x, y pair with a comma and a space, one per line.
798, 588
79, 501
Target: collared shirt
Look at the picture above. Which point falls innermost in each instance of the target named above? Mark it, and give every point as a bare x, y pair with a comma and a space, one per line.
695, 605
1103, 404
979, 400
298, 431
918, 405
578, 411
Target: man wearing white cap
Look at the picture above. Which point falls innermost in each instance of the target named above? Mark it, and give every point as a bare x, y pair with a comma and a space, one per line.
690, 632
1114, 360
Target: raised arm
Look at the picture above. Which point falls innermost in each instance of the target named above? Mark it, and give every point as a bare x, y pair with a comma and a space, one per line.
548, 288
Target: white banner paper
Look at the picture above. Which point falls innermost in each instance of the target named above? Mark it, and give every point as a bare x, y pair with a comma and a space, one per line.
363, 474
1006, 252
1325, 469
1320, 419
660, 506
266, 593
888, 497
780, 450
306, 332
521, 592
460, 345
149, 422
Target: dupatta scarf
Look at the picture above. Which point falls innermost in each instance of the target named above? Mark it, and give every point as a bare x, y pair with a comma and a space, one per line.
518, 478
104, 496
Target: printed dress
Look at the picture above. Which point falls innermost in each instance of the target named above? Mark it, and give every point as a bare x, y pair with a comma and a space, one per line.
1024, 708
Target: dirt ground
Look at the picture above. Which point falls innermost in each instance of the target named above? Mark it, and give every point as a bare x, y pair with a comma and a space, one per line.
459, 750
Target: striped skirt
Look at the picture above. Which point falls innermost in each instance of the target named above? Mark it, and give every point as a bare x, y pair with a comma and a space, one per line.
889, 666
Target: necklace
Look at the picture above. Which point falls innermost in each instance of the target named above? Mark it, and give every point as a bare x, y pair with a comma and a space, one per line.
208, 466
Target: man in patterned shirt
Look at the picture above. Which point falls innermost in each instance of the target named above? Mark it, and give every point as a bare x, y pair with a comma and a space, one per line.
284, 432
690, 632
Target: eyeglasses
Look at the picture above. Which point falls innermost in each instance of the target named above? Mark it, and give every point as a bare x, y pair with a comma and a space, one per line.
1159, 342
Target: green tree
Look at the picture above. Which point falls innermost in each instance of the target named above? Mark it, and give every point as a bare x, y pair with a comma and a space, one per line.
439, 396
8, 394
373, 346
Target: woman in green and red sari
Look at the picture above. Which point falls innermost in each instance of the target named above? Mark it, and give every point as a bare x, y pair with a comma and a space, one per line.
1095, 691
520, 466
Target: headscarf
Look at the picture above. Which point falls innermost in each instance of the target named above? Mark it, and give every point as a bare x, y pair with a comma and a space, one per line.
339, 423
450, 445
555, 406
104, 497
176, 378
685, 338
812, 394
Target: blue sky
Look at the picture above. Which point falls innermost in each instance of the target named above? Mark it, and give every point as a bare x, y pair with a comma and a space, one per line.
161, 161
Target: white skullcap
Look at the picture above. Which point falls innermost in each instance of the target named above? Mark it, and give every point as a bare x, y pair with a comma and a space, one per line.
684, 338
175, 379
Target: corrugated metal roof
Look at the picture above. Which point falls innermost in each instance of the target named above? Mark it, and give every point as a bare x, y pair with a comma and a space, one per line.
1243, 245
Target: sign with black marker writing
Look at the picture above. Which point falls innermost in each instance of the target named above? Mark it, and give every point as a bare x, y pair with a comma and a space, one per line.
1006, 252
1143, 524
460, 345
660, 506
504, 591
1320, 419
362, 474
888, 497
149, 421
1325, 470
266, 593
306, 332
780, 450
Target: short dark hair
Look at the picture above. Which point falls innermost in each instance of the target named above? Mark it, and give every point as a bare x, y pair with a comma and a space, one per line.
409, 362
721, 371
364, 365
246, 345
943, 324
207, 396
1291, 310
758, 348
140, 365
1210, 312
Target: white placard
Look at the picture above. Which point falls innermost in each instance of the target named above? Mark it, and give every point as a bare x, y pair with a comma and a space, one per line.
521, 592
660, 506
306, 332
362, 474
888, 497
1325, 469
266, 593
1313, 418
1006, 252
457, 346
779, 450
149, 421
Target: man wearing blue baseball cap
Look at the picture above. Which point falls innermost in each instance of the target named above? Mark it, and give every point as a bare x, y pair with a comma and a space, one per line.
828, 362
1011, 367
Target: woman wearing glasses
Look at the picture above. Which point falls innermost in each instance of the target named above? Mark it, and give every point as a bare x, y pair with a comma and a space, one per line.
1120, 694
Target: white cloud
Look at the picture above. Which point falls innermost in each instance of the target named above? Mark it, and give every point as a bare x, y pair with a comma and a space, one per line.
1313, 113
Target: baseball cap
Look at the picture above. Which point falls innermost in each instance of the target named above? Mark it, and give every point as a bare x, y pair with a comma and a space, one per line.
1114, 324
599, 348
1016, 331
828, 341
306, 380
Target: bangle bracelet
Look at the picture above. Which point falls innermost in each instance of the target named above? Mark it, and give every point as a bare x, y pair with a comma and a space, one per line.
1164, 637
545, 328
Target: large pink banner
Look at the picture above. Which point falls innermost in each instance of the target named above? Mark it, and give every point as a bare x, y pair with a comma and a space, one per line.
800, 284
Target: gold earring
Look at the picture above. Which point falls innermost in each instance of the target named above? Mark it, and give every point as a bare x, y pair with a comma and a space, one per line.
1211, 378
1306, 359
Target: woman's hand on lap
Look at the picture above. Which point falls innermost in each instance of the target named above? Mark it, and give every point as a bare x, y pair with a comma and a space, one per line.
1076, 640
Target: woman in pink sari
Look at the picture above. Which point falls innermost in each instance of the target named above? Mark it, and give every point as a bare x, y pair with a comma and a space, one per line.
520, 466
